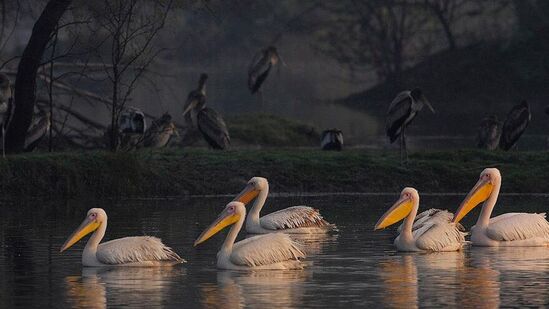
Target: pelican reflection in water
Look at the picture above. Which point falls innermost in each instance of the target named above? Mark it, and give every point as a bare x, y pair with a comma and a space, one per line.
103, 287
255, 289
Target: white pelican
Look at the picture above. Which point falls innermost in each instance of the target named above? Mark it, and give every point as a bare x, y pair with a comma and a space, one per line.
271, 251
295, 219
127, 251
510, 229
432, 235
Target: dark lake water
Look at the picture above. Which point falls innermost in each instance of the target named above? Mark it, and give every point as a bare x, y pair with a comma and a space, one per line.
354, 267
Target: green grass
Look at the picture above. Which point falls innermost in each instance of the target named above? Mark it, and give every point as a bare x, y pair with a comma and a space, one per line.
175, 172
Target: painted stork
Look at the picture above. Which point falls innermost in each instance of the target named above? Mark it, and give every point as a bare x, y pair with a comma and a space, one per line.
160, 132
516, 123
260, 67
37, 131
127, 251
402, 111
432, 231
132, 126
208, 121
331, 140
489, 133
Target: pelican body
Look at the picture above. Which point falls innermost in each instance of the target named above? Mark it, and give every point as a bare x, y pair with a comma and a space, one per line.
271, 251
295, 219
331, 140
515, 124
510, 229
432, 232
208, 121
127, 251
260, 67
489, 133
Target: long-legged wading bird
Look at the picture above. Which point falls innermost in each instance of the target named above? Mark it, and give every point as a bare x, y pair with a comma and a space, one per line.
435, 231
515, 124
270, 251
160, 132
331, 140
489, 133
127, 251
209, 122
295, 219
37, 131
261, 65
402, 111
510, 229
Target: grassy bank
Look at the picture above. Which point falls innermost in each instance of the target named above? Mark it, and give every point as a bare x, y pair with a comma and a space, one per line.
176, 172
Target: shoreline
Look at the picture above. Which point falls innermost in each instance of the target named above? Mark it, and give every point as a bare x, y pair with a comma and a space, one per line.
177, 173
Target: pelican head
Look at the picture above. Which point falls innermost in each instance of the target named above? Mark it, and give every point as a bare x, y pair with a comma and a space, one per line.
94, 219
480, 192
230, 215
252, 189
418, 95
400, 208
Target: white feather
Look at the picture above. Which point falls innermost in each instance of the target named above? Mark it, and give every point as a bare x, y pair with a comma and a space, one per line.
438, 236
135, 250
266, 250
518, 226
293, 217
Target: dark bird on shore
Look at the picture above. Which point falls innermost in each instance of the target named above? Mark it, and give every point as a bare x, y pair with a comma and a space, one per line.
195, 98
402, 111
516, 123
39, 128
209, 122
261, 65
160, 132
489, 133
331, 140
131, 127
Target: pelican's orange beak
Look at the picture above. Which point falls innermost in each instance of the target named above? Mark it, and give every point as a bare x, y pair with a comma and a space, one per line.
480, 193
225, 219
397, 212
247, 195
87, 226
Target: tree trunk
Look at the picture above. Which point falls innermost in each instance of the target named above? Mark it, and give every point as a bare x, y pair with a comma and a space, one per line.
25, 83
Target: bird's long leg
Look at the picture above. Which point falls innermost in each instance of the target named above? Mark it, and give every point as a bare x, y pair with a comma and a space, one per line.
261, 103
3, 142
404, 144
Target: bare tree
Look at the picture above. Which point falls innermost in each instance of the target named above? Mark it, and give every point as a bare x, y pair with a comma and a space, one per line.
129, 28
25, 83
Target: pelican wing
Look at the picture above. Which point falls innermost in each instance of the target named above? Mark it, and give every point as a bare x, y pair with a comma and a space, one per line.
436, 236
266, 250
434, 215
214, 129
518, 226
293, 217
134, 250
399, 111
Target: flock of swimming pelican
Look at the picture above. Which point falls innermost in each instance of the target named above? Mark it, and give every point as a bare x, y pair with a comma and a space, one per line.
273, 247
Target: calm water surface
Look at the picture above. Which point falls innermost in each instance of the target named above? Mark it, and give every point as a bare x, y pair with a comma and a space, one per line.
354, 267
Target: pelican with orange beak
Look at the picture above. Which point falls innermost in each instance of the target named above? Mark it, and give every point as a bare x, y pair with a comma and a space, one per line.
295, 219
127, 251
510, 229
429, 235
271, 251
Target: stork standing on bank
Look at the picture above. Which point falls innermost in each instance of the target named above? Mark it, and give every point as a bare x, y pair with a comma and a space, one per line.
39, 128
159, 134
402, 111
489, 133
331, 140
209, 122
260, 67
515, 124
